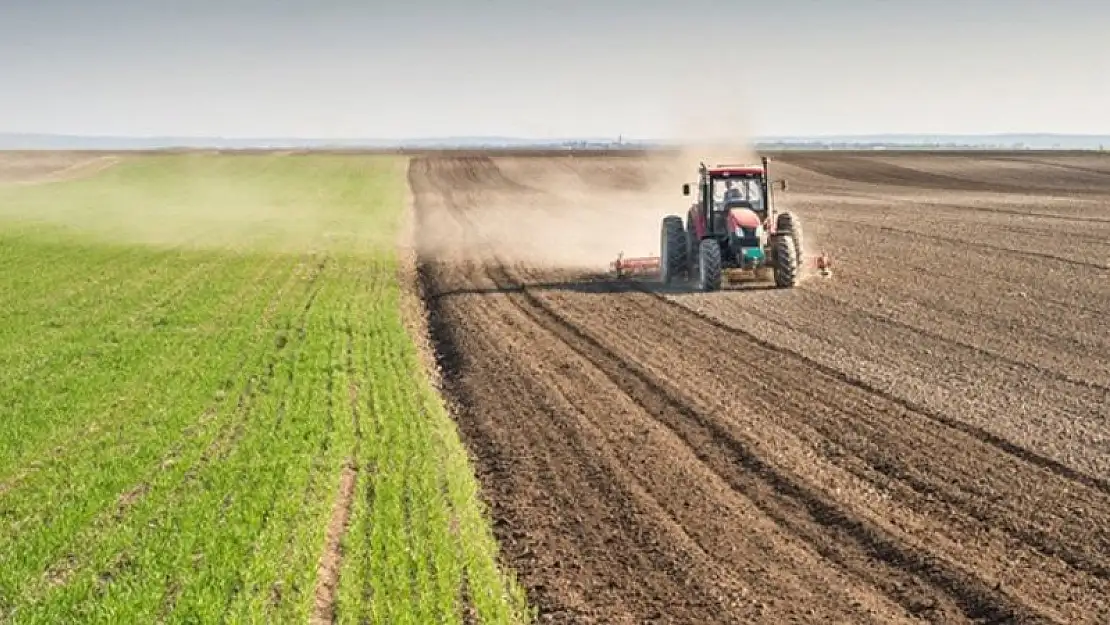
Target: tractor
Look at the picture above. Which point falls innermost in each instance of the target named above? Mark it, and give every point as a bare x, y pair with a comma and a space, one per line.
732, 230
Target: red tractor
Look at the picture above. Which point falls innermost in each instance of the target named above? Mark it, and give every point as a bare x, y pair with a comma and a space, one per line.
732, 230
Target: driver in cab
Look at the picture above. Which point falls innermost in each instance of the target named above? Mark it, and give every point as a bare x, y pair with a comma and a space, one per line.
734, 192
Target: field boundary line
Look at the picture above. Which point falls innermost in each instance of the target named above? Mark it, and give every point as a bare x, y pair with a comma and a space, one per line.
418, 324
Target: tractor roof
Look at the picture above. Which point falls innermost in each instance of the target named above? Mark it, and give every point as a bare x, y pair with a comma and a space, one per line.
735, 170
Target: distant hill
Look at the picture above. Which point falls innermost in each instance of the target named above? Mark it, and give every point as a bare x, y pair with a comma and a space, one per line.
1038, 141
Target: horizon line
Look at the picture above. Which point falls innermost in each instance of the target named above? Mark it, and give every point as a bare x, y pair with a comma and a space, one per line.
615, 137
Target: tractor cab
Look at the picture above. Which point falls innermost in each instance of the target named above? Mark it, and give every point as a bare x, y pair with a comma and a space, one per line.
729, 193
725, 191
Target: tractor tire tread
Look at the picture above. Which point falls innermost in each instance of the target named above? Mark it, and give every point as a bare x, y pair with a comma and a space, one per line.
786, 262
709, 265
788, 222
673, 261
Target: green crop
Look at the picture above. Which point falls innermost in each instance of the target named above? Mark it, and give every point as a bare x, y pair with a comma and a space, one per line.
197, 351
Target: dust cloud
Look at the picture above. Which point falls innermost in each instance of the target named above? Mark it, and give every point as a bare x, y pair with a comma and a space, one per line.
554, 215
574, 212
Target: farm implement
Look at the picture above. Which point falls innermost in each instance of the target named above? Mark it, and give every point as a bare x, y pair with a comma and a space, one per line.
732, 233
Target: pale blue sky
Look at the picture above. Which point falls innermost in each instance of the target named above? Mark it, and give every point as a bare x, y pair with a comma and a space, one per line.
541, 68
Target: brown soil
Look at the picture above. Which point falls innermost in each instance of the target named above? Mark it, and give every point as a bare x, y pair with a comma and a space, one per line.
327, 574
921, 438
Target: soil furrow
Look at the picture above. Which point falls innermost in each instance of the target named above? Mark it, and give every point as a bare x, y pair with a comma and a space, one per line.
829, 528
973, 243
776, 534
978, 433
830, 425
986, 352
914, 443
552, 495
1020, 213
1011, 402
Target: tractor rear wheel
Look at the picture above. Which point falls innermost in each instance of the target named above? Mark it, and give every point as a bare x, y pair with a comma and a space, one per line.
786, 262
709, 265
789, 222
673, 249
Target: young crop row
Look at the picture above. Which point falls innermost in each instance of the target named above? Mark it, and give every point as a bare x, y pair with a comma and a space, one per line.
195, 400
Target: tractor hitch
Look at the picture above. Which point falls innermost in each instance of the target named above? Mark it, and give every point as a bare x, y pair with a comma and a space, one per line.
644, 265
823, 264
649, 266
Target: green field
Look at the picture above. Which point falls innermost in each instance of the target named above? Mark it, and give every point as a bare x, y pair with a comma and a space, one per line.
199, 354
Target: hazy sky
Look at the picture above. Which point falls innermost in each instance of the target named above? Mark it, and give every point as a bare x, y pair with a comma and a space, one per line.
644, 68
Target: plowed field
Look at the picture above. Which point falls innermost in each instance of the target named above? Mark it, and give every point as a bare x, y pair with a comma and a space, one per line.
922, 437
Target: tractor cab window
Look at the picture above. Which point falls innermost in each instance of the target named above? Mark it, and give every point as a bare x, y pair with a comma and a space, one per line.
737, 189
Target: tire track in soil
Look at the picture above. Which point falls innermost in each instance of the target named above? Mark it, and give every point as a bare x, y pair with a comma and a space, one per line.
872, 416
972, 243
330, 565
830, 528
1098, 490
868, 170
1079, 244
881, 260
985, 351
608, 460
331, 560
1048, 162
628, 557
969, 388
1077, 340
878, 170
1021, 213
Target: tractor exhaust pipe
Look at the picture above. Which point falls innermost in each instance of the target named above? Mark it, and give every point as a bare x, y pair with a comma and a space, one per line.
768, 186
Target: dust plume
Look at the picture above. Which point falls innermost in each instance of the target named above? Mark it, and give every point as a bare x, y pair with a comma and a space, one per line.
559, 212
570, 212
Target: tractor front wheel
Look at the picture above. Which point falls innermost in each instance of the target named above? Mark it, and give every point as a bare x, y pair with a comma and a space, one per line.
709, 265
786, 262
672, 261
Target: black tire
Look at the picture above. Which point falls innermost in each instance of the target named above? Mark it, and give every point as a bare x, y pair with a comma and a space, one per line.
709, 265
786, 262
691, 248
788, 222
673, 249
